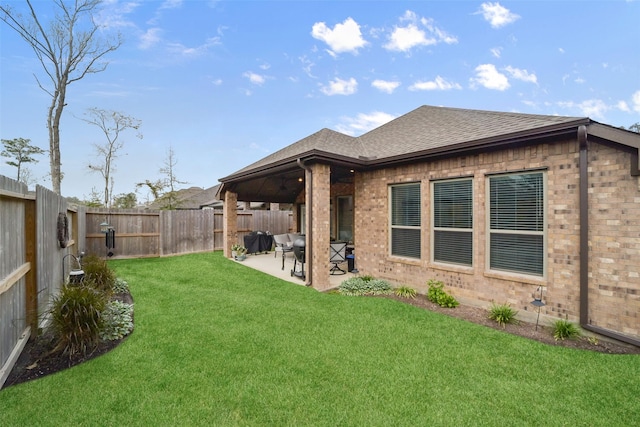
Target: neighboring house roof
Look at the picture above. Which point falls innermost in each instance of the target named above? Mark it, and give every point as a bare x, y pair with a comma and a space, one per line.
190, 198
422, 133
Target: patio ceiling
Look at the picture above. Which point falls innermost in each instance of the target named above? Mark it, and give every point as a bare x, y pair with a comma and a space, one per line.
281, 185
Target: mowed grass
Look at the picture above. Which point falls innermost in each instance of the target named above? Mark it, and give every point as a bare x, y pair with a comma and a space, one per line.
216, 343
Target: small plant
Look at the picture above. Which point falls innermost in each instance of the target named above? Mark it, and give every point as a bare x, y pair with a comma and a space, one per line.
438, 295
563, 329
97, 274
117, 320
593, 341
76, 319
364, 286
503, 314
405, 292
120, 286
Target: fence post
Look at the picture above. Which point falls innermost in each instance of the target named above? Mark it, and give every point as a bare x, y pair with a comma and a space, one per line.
31, 283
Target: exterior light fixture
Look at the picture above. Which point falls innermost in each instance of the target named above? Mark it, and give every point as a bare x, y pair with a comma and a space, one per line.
537, 302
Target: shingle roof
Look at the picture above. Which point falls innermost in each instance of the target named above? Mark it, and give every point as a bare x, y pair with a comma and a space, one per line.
428, 128
324, 140
421, 130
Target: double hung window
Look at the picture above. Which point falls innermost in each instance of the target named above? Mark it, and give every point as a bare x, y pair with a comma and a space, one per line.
453, 221
517, 223
405, 220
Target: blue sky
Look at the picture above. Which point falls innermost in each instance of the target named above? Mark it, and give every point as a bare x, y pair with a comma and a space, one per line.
225, 83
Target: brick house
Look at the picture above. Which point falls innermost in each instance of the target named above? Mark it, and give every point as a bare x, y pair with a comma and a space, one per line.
501, 207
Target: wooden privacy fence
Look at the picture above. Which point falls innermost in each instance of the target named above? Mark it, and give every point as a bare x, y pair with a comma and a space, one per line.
31, 261
151, 233
34, 263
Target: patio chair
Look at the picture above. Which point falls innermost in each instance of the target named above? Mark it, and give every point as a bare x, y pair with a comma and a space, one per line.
282, 244
337, 256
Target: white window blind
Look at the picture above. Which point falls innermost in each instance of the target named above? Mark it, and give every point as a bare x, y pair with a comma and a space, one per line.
517, 223
453, 221
405, 220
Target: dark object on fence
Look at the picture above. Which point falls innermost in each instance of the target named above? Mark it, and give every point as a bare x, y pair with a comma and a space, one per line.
298, 253
258, 242
63, 230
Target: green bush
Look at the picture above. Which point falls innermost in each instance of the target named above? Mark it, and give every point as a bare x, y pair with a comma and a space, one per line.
438, 295
117, 320
503, 314
405, 292
120, 286
563, 329
364, 286
97, 274
76, 319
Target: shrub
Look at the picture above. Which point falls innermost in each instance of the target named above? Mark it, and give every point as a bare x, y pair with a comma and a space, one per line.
97, 274
563, 329
503, 314
361, 286
117, 320
438, 295
76, 319
120, 286
405, 292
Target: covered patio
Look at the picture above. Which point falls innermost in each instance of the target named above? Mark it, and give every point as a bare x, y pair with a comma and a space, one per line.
267, 263
311, 180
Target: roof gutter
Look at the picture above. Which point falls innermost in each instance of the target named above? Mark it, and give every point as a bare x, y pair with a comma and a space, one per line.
584, 245
309, 207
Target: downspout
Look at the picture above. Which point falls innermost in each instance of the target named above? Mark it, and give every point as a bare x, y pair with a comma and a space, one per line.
584, 245
309, 208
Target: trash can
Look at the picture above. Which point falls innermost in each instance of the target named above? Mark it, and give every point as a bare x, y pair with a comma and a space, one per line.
351, 260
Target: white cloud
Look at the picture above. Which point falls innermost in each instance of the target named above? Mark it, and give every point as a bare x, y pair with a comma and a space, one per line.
561, 50
114, 15
523, 75
340, 87
623, 106
589, 108
438, 84
496, 51
363, 123
344, 37
254, 78
180, 49
416, 32
385, 85
497, 15
171, 4
635, 101
150, 38
490, 78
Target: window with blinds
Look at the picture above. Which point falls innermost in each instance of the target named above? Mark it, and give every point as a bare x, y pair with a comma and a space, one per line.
405, 220
517, 223
453, 221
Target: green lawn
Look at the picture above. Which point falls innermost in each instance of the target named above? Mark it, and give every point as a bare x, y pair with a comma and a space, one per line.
216, 343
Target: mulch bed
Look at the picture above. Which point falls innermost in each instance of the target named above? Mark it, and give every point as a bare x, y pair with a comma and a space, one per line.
36, 359
544, 334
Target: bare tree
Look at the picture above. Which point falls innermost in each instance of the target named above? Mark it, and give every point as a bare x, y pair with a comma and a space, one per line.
112, 124
170, 198
68, 49
20, 151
